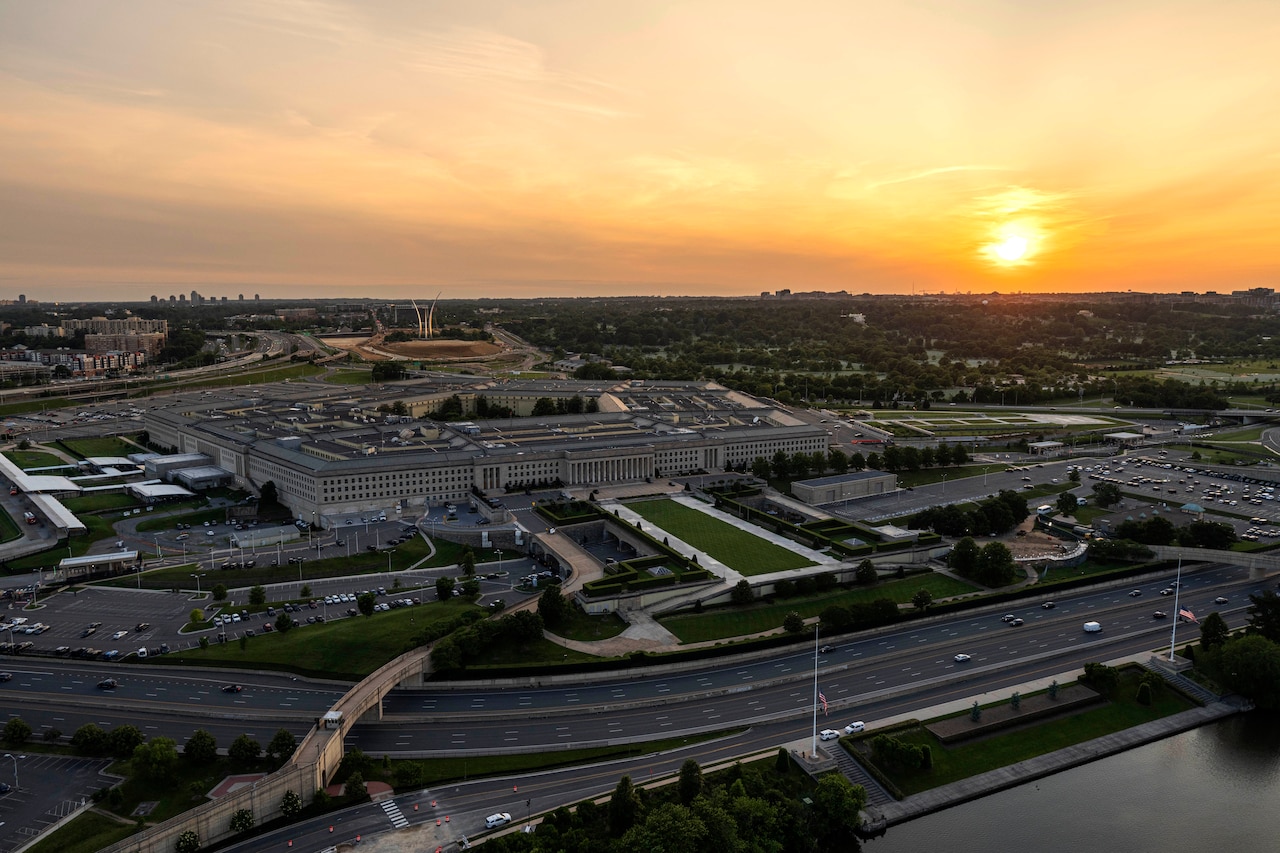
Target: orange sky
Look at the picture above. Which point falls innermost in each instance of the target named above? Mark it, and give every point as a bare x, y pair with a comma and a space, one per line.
397, 148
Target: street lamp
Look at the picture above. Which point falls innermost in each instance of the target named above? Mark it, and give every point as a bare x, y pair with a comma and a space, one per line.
15, 758
984, 475
944, 484
390, 551
499, 551
197, 576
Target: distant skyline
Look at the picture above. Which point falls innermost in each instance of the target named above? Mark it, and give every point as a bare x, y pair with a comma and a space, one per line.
518, 148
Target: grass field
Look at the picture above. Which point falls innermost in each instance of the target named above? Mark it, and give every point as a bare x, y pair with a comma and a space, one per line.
347, 649
107, 446
28, 459
736, 548
723, 624
349, 376
951, 764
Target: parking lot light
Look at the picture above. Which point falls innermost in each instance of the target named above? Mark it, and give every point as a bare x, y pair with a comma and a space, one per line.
15, 758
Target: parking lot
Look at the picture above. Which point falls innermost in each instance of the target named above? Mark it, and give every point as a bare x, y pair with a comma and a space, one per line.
51, 787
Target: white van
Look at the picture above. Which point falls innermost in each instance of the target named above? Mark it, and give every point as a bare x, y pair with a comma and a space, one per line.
1092, 627
142, 653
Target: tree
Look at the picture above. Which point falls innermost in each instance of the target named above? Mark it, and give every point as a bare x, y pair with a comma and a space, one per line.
305, 592
760, 468
468, 562
1074, 476
964, 557
284, 623
290, 805
690, 781
552, 607
187, 842
201, 748
241, 820
742, 593
996, 566
268, 495
793, 623
922, 599
1250, 666
781, 465
89, 739
835, 812
16, 731
866, 574
366, 602
1067, 504
156, 759
244, 750
355, 789
1106, 494
196, 615
1214, 632
444, 588
258, 595
123, 740
1264, 615
282, 745
220, 592
624, 807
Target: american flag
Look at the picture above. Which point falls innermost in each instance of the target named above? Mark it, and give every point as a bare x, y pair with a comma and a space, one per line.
823, 699
1188, 615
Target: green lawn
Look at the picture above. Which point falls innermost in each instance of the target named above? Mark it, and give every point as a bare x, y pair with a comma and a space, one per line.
347, 649
28, 459
97, 503
107, 446
580, 626
726, 623
736, 548
347, 376
951, 764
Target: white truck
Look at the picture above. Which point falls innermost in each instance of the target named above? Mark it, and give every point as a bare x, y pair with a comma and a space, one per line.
1093, 627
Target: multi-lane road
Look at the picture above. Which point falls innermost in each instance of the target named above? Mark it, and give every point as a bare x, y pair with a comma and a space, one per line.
908, 662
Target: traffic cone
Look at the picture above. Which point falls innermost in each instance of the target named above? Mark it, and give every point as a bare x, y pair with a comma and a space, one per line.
433, 804
446, 818
437, 821
415, 807
515, 788
290, 842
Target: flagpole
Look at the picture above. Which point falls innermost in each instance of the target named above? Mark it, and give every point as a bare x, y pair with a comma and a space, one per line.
813, 746
1177, 612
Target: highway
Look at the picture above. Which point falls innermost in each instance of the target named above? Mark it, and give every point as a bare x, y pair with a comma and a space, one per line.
908, 666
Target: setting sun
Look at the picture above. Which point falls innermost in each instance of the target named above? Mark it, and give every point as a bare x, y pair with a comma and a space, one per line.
1013, 248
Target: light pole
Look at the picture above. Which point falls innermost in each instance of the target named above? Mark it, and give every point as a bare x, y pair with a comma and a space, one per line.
197, 576
944, 484
499, 551
390, 551
157, 547
984, 475
15, 758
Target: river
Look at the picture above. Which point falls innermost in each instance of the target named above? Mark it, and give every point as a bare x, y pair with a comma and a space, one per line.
1212, 788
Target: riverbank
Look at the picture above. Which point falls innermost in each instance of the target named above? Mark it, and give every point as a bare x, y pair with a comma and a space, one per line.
881, 816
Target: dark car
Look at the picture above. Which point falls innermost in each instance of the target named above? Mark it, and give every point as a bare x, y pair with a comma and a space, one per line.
826, 650
232, 688
1048, 605
5, 788
142, 626
6, 676
108, 684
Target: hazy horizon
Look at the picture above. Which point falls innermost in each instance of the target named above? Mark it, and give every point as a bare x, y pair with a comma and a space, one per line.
395, 149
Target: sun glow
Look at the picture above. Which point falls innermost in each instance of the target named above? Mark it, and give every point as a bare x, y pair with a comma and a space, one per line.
1011, 248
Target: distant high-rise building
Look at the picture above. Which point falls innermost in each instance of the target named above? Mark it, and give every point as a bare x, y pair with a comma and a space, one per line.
154, 299
22, 299
240, 298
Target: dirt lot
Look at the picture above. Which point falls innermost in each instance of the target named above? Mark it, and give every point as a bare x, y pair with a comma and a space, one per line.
434, 350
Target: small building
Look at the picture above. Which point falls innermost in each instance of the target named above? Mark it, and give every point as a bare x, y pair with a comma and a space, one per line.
1124, 439
202, 477
843, 487
1045, 448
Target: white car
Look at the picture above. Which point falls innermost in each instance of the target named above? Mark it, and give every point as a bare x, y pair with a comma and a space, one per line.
497, 819
854, 728
961, 658
828, 734
119, 635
